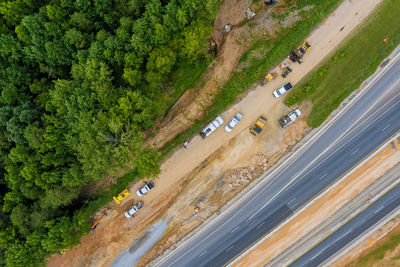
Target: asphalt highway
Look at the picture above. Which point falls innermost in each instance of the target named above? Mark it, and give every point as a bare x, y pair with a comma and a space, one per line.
357, 132
337, 220
351, 230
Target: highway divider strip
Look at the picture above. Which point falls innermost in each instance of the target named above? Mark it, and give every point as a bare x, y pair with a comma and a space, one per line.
361, 238
315, 198
357, 212
360, 198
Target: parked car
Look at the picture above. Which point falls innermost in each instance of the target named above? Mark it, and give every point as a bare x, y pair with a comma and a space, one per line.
281, 90
211, 127
143, 191
133, 210
235, 120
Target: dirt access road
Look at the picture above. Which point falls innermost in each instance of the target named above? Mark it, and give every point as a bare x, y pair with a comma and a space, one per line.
181, 183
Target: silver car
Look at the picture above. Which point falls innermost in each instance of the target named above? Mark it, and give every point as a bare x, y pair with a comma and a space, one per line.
235, 120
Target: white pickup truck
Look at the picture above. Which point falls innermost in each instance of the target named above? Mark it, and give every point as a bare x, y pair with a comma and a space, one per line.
211, 127
289, 118
283, 89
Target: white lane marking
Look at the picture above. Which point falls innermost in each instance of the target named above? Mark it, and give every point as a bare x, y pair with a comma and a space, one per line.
313, 257
290, 202
343, 135
346, 233
237, 227
229, 248
323, 176
378, 210
354, 152
317, 135
260, 225
202, 254
385, 127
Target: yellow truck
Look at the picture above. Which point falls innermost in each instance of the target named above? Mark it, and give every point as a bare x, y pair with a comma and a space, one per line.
267, 78
258, 126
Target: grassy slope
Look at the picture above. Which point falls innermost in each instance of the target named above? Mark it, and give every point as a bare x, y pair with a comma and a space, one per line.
379, 253
354, 62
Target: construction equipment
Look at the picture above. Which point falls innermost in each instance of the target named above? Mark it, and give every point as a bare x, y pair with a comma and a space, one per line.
95, 224
212, 46
267, 78
250, 14
270, 2
286, 71
196, 210
297, 55
258, 126
121, 196
305, 47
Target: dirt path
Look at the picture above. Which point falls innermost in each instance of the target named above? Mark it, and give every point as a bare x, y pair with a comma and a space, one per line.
182, 183
323, 207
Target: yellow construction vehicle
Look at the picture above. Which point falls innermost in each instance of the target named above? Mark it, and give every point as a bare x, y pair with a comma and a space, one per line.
269, 77
121, 196
259, 125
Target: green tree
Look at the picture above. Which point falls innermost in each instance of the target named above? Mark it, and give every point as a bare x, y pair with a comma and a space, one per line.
147, 163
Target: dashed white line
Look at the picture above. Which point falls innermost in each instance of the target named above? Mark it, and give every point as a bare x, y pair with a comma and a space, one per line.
354, 152
260, 225
202, 254
385, 127
378, 210
229, 248
346, 233
237, 227
323, 176
291, 201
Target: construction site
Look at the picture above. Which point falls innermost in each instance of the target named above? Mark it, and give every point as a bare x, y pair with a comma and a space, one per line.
200, 178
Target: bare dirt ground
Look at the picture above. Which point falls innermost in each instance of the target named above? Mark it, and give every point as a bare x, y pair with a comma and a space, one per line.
323, 207
211, 171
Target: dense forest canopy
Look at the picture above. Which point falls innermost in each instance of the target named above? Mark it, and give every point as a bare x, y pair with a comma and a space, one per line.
80, 80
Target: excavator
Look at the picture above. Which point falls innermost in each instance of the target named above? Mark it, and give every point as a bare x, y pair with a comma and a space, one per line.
297, 55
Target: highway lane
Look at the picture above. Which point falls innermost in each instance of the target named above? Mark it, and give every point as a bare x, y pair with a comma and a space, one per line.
351, 230
372, 119
342, 216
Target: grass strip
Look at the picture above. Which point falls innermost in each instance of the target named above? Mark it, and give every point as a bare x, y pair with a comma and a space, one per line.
379, 253
352, 64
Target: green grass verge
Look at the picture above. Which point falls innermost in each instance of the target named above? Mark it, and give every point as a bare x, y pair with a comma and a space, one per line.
272, 52
353, 63
379, 253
